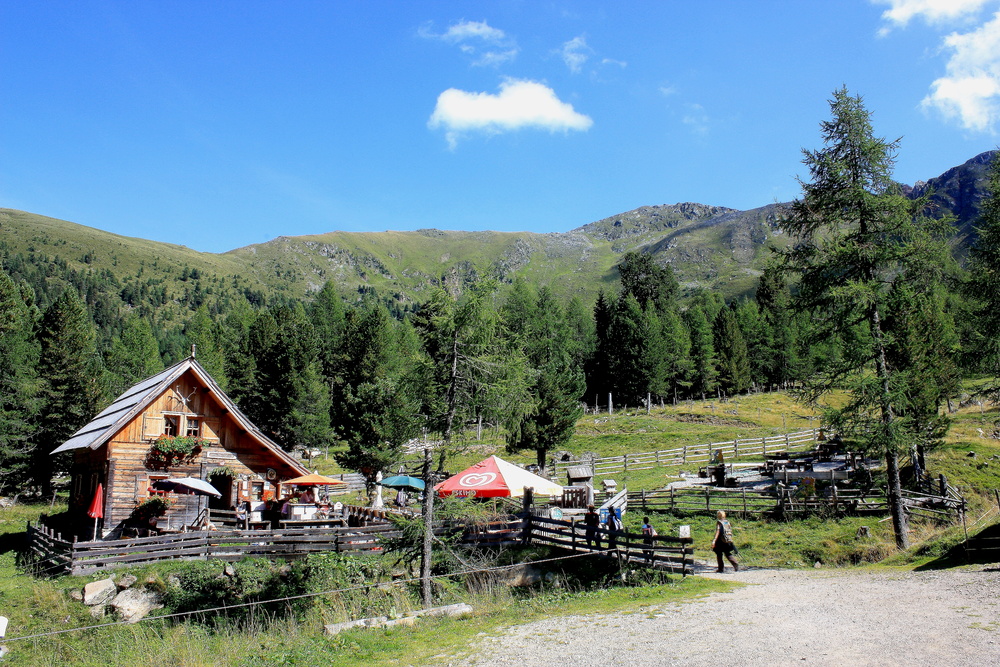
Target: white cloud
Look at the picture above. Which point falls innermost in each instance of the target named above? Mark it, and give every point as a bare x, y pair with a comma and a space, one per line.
519, 104
696, 119
901, 12
969, 93
575, 53
464, 30
486, 45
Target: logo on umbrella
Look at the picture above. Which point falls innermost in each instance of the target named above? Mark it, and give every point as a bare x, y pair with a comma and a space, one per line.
477, 479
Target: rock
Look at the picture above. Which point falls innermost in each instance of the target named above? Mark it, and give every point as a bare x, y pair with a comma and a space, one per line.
133, 604
817, 565
97, 612
76, 595
520, 575
173, 581
971, 455
127, 581
99, 592
229, 570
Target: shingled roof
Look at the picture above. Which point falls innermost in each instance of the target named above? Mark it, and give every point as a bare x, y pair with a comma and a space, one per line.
136, 398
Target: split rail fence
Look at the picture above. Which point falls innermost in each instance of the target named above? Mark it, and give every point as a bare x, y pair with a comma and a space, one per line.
749, 502
693, 454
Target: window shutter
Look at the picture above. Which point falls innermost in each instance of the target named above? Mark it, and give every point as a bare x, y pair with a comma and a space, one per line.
210, 429
141, 488
152, 426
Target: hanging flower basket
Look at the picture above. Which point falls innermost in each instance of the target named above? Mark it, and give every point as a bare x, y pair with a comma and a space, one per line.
155, 506
168, 450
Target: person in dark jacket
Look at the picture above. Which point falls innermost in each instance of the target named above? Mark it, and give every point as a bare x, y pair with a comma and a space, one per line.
591, 520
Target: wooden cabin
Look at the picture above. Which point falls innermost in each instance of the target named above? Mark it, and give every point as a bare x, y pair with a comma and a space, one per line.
122, 449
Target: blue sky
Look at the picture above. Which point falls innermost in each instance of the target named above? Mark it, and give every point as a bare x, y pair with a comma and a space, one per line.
219, 124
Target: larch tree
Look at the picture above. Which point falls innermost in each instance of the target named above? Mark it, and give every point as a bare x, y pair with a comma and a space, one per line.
983, 287
854, 236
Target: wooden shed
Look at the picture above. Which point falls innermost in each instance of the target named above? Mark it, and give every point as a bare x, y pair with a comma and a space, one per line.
139, 438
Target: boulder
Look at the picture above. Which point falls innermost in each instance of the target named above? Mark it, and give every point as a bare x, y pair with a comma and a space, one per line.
127, 581
133, 604
99, 592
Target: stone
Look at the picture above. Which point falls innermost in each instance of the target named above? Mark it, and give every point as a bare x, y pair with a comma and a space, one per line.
99, 592
229, 570
133, 604
97, 612
76, 595
127, 581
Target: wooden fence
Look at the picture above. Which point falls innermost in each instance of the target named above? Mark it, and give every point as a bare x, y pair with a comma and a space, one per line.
662, 551
787, 502
692, 454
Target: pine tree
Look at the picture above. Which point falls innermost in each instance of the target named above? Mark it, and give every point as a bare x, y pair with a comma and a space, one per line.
18, 378
983, 287
209, 345
133, 356
70, 371
558, 384
704, 371
647, 281
731, 351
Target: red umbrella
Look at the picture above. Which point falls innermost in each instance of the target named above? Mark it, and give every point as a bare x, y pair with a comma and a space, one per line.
96, 510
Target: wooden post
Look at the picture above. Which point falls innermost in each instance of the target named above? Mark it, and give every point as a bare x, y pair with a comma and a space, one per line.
744, 502
649, 402
673, 503
572, 528
763, 446
427, 552
708, 500
611, 405
736, 448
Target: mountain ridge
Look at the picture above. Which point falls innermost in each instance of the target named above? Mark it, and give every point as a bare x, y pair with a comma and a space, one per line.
708, 246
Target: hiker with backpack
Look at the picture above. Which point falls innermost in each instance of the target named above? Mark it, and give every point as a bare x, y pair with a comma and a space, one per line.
648, 533
722, 543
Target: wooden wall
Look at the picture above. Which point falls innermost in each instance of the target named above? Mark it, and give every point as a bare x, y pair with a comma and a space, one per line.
124, 468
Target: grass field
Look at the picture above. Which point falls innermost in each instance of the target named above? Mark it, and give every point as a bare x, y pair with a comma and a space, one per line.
44, 605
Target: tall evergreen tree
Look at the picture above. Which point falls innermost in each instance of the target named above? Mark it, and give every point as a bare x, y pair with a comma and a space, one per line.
647, 281
854, 235
558, 384
983, 286
18, 378
134, 355
704, 372
471, 372
209, 345
70, 371
731, 351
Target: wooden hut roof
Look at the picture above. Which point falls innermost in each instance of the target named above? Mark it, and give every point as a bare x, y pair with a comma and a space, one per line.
137, 398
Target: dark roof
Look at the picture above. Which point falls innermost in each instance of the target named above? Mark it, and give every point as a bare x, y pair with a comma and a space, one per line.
136, 398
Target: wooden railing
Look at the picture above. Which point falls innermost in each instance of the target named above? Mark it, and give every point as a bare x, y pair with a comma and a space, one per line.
663, 552
692, 454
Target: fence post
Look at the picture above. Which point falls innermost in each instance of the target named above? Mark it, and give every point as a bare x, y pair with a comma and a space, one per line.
708, 500
625, 463
744, 502
572, 528
763, 446
736, 448
684, 455
787, 444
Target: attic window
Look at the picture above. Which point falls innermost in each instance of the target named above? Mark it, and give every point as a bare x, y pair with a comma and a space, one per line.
193, 429
171, 425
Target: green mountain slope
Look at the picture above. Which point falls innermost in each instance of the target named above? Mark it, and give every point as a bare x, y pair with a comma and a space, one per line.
707, 246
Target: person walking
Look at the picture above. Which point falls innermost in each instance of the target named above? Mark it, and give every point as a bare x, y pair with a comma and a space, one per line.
722, 543
590, 521
648, 533
614, 525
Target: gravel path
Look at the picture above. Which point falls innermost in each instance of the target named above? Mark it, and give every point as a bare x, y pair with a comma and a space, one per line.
782, 617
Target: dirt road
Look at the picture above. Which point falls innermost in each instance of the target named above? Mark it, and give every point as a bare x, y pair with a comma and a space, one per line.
782, 617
